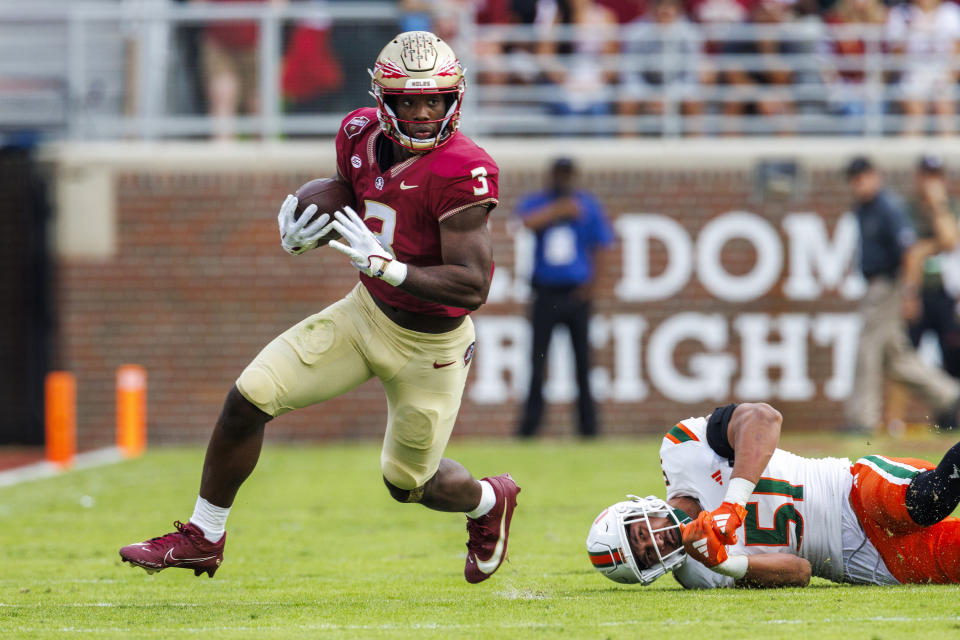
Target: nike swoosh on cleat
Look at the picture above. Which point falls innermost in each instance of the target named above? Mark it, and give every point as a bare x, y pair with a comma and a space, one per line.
169, 557
490, 565
437, 365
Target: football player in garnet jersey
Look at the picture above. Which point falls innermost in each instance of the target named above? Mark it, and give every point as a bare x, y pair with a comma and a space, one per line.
739, 511
420, 241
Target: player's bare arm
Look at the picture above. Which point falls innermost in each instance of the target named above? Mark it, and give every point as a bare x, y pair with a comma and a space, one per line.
775, 570
753, 433
463, 280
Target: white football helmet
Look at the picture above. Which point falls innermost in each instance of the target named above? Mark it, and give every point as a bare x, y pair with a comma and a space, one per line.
418, 62
609, 548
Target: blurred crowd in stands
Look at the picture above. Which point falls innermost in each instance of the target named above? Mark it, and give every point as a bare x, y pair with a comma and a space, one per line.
803, 45
709, 61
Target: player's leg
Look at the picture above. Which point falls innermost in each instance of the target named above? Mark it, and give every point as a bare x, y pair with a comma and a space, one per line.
880, 488
313, 361
233, 450
543, 319
422, 406
423, 402
578, 322
935, 493
940, 391
939, 309
863, 406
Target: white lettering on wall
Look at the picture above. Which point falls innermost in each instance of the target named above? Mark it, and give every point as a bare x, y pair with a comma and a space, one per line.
774, 356
710, 371
628, 384
840, 332
759, 355
637, 231
765, 241
501, 369
816, 263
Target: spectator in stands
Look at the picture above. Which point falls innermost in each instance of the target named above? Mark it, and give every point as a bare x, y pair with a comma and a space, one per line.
573, 63
311, 71
928, 33
761, 86
662, 57
714, 12
229, 56
570, 225
626, 11
890, 259
934, 215
847, 76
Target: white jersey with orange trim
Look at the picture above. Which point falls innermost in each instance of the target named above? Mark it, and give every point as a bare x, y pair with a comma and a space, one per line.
796, 508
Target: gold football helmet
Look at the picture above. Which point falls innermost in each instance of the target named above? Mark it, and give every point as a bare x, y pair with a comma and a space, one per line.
418, 62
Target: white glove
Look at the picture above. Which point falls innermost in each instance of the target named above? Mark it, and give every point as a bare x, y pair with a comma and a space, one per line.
297, 236
365, 252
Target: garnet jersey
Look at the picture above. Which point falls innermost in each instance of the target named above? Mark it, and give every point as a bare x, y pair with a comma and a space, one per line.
405, 204
800, 505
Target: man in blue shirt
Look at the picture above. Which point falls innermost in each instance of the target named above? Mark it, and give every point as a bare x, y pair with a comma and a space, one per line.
570, 225
892, 265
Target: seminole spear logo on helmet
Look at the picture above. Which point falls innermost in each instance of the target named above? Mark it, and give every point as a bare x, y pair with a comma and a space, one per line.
417, 63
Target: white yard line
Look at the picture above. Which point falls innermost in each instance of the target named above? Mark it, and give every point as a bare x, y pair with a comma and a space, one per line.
42, 470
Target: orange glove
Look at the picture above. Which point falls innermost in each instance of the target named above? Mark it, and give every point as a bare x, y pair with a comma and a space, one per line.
727, 518
701, 543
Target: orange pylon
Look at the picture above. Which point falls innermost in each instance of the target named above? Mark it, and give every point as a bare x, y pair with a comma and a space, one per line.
60, 400
132, 409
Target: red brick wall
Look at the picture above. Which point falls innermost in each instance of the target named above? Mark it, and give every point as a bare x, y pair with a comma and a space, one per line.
199, 284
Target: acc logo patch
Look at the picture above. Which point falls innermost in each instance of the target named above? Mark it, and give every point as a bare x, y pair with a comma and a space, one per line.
356, 161
355, 126
379, 182
468, 354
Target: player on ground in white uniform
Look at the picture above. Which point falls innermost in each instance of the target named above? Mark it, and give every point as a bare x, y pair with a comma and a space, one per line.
740, 511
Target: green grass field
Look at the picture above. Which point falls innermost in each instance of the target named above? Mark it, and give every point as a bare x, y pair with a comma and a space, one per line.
317, 549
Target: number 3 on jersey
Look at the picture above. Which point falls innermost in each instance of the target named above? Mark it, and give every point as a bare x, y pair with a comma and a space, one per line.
480, 173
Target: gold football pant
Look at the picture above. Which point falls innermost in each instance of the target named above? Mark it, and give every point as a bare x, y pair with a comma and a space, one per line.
348, 343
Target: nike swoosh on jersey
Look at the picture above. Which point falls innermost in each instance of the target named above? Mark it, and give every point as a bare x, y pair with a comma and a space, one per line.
169, 557
437, 365
404, 186
490, 565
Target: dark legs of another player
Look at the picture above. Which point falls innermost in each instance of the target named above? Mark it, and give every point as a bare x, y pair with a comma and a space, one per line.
934, 494
552, 306
233, 450
452, 488
578, 322
543, 320
939, 316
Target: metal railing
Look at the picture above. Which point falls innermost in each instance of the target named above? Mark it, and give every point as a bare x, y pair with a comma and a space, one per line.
102, 70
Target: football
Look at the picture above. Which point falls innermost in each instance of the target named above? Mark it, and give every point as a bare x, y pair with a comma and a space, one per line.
329, 195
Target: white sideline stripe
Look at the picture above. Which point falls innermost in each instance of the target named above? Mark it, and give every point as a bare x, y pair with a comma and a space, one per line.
327, 626
452, 627
43, 470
